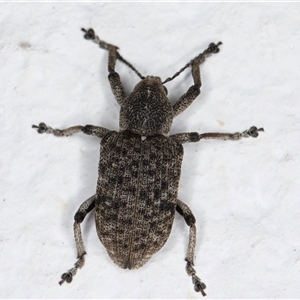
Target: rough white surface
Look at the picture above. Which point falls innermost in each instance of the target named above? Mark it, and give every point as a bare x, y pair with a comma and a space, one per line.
244, 194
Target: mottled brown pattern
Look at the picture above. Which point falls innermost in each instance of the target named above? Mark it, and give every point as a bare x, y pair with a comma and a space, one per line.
135, 213
139, 168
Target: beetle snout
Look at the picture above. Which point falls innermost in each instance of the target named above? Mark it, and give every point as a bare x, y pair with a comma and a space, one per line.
152, 79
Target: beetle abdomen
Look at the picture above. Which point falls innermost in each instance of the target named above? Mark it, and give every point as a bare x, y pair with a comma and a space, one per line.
136, 195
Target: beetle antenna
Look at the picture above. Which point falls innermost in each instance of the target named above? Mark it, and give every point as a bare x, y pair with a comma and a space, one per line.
199, 59
120, 58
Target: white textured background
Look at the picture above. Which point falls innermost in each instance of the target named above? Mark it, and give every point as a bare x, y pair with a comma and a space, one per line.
244, 194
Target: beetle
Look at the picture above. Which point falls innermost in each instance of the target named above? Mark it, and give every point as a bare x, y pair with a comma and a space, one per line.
139, 168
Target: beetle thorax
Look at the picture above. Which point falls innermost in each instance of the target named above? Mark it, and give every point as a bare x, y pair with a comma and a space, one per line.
147, 110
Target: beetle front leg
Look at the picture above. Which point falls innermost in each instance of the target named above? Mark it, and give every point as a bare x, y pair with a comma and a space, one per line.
83, 210
90, 35
186, 99
190, 220
200, 59
113, 77
192, 137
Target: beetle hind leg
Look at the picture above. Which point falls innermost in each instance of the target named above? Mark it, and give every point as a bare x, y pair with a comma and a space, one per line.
83, 210
199, 286
190, 220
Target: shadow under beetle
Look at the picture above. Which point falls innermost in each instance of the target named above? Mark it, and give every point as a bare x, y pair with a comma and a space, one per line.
139, 168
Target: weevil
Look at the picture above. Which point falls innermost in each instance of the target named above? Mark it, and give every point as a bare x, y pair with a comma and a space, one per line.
139, 168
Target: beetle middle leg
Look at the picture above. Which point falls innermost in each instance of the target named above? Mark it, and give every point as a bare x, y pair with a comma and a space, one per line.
83, 210
190, 220
87, 129
192, 137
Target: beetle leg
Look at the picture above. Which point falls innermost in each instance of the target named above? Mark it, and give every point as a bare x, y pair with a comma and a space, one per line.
191, 137
252, 132
186, 99
90, 35
95, 130
190, 220
87, 129
43, 128
113, 77
113, 54
197, 61
84, 208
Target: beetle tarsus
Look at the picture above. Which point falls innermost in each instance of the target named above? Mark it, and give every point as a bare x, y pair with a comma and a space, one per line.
252, 132
42, 128
68, 276
213, 48
199, 286
89, 34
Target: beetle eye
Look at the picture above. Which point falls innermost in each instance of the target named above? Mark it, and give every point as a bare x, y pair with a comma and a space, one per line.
166, 91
